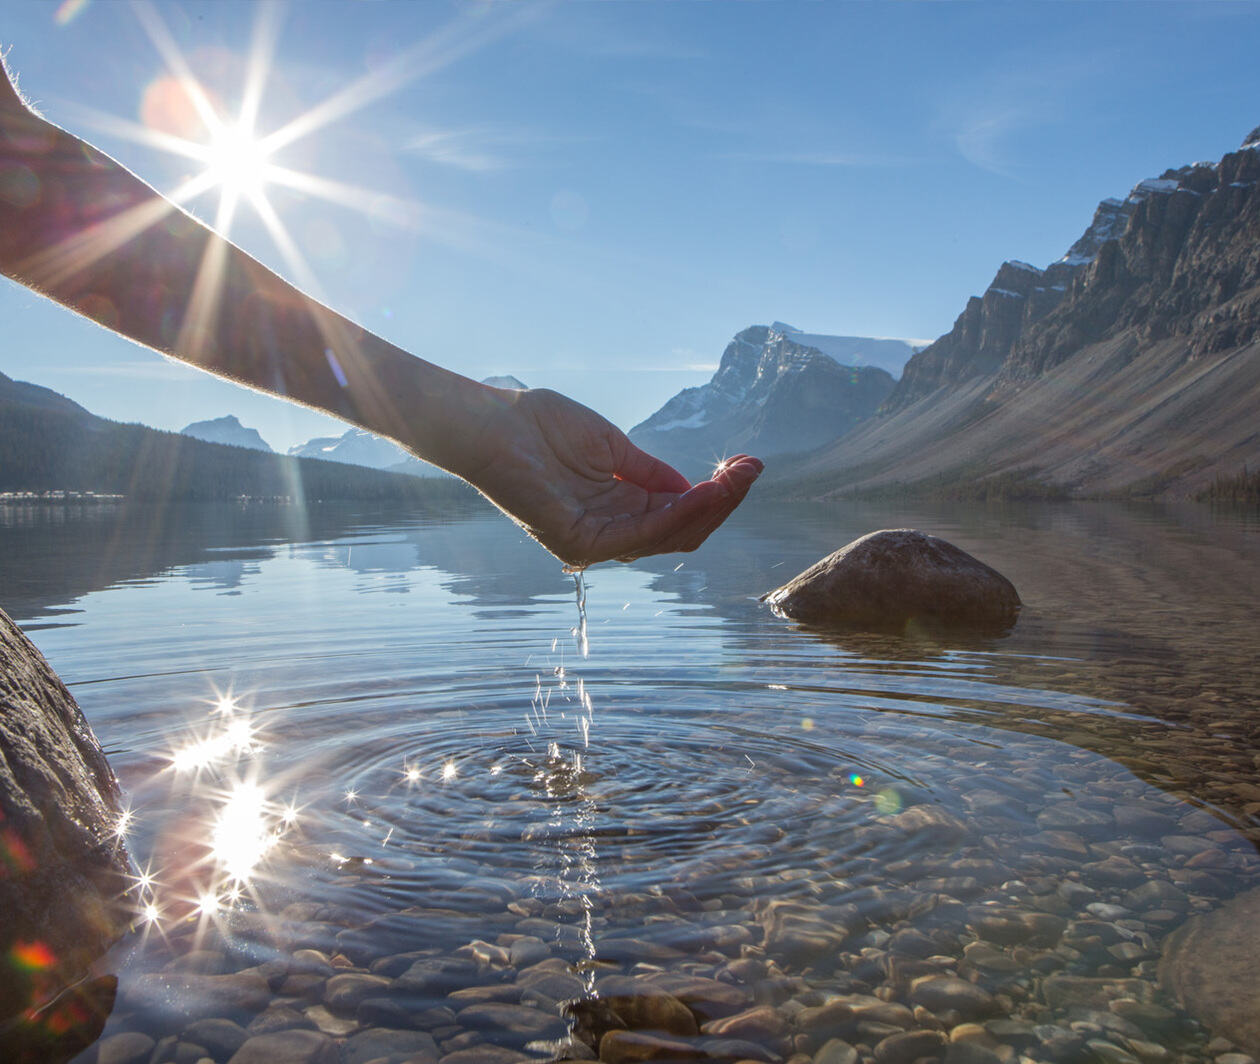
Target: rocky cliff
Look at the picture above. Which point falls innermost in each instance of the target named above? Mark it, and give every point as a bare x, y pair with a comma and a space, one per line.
770, 395
1130, 365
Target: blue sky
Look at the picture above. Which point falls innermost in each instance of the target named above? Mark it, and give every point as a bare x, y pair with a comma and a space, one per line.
595, 197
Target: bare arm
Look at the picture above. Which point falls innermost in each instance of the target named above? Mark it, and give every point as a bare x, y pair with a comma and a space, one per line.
80, 228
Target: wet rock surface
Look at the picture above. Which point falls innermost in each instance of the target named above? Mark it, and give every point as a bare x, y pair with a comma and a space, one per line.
64, 865
893, 578
1209, 965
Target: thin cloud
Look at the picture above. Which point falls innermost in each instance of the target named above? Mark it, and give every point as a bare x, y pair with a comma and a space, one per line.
986, 116
481, 150
851, 160
981, 139
465, 151
156, 370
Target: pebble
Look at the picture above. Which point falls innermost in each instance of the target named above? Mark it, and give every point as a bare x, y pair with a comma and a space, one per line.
417, 1046
344, 993
970, 1053
485, 1055
1157, 894
836, 1051
906, 1047
512, 1025
527, 950
288, 1047
178, 998
221, 1038
756, 1024
942, 993
640, 1005
629, 1047
738, 1050
280, 1018
130, 1047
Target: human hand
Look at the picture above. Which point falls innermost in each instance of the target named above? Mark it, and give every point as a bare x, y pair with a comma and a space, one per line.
578, 485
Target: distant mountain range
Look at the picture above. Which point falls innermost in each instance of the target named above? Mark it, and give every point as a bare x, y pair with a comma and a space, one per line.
357, 447
226, 430
777, 390
51, 443
1129, 367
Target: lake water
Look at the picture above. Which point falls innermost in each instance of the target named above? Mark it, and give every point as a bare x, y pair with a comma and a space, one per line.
383, 801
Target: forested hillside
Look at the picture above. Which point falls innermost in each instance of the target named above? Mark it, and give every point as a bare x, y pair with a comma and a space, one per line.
47, 443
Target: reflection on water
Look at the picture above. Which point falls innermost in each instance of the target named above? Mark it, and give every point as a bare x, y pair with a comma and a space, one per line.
426, 822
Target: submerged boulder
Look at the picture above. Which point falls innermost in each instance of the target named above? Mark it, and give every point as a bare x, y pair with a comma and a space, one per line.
63, 865
890, 579
1209, 966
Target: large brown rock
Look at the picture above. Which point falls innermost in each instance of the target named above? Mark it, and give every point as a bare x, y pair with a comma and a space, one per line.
1209, 965
63, 865
890, 579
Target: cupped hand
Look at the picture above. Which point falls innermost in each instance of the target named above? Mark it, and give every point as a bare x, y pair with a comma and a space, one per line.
578, 485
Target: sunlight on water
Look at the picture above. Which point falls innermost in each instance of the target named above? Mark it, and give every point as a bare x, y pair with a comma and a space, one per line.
244, 832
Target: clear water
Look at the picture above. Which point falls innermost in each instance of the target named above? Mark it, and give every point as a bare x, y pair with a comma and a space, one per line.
376, 734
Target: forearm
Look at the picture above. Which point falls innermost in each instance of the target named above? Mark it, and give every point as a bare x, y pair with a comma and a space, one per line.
82, 229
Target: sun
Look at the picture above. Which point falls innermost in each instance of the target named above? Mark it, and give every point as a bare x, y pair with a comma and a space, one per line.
239, 162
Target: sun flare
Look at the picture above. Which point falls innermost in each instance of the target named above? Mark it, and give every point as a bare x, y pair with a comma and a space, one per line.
239, 162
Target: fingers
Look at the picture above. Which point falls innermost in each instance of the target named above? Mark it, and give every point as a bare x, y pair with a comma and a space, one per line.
736, 476
686, 523
651, 474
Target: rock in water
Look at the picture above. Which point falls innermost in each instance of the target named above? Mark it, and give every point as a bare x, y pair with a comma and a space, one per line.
1209, 965
63, 865
887, 580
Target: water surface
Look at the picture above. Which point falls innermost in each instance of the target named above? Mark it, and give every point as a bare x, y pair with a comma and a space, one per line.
375, 735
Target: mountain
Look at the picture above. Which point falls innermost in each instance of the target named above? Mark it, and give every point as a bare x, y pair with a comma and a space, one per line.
226, 430
50, 443
353, 447
35, 396
771, 395
506, 381
882, 352
357, 447
1131, 366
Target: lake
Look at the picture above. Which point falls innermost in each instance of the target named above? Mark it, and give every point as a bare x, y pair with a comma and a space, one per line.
392, 792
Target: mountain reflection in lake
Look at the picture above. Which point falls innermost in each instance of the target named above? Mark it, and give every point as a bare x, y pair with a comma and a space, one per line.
379, 799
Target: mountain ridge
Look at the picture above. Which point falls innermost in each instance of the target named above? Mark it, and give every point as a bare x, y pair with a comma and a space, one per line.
1129, 366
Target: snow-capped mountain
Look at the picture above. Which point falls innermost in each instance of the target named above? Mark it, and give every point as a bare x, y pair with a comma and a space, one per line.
883, 352
357, 447
354, 447
226, 430
772, 394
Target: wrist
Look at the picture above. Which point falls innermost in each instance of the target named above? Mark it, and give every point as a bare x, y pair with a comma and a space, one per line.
446, 418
